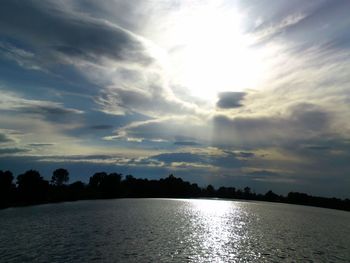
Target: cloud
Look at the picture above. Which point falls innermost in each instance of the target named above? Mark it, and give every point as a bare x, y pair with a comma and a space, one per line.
6, 151
101, 127
229, 100
318, 147
184, 157
208, 166
46, 108
271, 177
41, 144
168, 129
245, 154
297, 21
4, 138
10, 101
82, 70
265, 33
263, 173
149, 97
186, 143
24, 58
126, 68
210, 158
298, 122
50, 27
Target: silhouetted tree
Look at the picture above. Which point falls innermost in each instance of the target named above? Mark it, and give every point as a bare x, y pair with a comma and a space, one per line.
111, 185
239, 194
96, 180
298, 198
77, 185
226, 192
195, 190
77, 190
271, 196
105, 185
32, 188
247, 194
6, 188
59, 177
210, 191
172, 186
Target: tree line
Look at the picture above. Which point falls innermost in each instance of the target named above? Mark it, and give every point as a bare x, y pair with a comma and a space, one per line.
31, 188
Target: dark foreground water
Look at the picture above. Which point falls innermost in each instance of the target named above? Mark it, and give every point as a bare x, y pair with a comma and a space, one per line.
166, 230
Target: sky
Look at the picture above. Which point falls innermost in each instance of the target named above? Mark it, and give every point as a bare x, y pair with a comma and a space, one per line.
228, 92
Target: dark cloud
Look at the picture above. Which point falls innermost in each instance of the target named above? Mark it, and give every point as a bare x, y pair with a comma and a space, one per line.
272, 177
310, 117
300, 122
229, 160
50, 110
53, 109
41, 144
5, 138
101, 157
182, 138
186, 143
47, 26
228, 100
131, 14
13, 150
245, 154
318, 147
50, 35
263, 173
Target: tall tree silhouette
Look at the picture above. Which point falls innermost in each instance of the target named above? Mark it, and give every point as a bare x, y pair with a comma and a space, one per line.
6, 188
59, 177
32, 188
106, 185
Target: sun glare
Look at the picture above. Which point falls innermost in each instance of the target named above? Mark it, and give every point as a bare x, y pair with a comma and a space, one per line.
215, 54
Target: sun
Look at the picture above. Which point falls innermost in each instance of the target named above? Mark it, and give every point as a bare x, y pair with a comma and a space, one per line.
215, 55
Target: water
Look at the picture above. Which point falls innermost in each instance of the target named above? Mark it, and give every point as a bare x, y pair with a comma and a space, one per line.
166, 230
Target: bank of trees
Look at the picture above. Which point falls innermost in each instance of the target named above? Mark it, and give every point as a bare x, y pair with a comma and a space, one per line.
31, 188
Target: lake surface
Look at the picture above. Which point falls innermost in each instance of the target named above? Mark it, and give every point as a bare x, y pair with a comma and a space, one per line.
169, 230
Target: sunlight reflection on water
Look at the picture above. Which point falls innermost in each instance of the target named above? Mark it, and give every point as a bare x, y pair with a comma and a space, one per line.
220, 229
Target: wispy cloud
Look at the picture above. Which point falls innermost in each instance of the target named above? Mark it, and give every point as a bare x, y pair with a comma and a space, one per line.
4, 138
5, 151
12, 102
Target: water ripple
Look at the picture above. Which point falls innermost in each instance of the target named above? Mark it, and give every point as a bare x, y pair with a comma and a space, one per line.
166, 230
